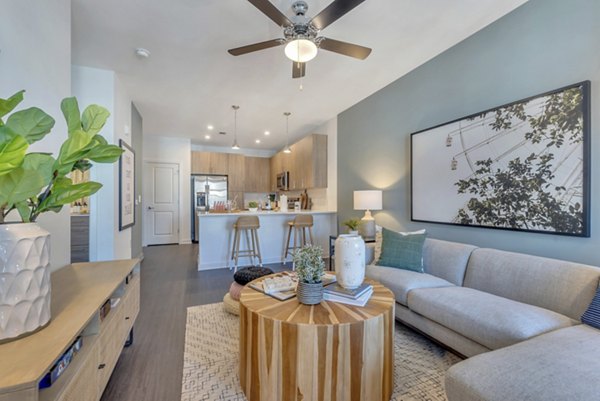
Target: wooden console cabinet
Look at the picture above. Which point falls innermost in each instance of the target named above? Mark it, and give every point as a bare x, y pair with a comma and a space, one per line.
78, 292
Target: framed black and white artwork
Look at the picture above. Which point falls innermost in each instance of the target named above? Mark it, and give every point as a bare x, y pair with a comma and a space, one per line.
522, 166
126, 187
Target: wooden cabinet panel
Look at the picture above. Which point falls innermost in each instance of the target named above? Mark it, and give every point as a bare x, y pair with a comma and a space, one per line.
219, 163
201, 163
236, 166
264, 174
307, 164
319, 155
84, 385
276, 168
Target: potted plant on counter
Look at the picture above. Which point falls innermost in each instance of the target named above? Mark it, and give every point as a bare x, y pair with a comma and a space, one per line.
32, 184
310, 268
252, 206
352, 225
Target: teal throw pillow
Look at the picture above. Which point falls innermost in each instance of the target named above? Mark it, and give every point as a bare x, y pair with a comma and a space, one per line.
402, 250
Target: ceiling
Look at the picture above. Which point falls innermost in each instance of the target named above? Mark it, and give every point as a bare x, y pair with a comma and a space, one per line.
190, 81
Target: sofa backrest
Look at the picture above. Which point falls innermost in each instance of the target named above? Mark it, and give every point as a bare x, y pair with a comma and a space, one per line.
447, 260
561, 286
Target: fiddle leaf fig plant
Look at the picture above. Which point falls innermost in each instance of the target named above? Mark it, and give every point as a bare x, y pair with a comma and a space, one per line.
35, 183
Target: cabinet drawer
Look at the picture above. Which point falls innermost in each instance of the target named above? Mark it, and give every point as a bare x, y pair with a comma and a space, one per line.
84, 385
110, 345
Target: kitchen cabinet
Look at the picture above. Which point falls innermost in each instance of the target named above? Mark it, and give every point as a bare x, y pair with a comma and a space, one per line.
235, 170
307, 164
257, 174
210, 163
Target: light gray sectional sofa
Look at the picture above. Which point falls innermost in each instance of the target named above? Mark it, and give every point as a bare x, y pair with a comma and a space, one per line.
516, 316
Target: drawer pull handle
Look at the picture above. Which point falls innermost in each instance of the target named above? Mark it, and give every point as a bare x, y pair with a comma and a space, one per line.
127, 318
102, 366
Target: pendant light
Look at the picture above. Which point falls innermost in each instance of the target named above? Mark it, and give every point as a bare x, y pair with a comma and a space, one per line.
287, 148
235, 145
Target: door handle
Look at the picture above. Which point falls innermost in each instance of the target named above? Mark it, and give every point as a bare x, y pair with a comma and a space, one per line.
150, 207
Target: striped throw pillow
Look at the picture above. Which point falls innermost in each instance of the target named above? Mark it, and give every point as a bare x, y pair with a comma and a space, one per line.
591, 317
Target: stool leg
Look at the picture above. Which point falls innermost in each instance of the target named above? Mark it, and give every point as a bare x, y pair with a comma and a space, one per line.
303, 236
253, 250
312, 242
237, 249
258, 248
286, 246
295, 247
232, 248
248, 246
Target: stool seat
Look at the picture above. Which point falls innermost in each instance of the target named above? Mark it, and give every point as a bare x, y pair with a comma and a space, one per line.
300, 224
247, 222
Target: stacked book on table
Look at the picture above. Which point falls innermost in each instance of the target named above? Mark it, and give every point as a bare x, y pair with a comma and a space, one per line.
357, 297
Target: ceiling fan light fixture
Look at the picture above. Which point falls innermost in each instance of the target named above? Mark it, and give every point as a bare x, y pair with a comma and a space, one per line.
301, 50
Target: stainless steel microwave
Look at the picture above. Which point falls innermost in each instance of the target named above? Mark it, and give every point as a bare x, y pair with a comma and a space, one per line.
283, 181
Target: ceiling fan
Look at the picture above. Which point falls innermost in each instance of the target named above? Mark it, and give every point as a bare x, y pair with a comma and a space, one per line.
301, 34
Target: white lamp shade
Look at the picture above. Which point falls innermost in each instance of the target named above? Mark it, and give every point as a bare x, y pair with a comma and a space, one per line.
368, 200
301, 50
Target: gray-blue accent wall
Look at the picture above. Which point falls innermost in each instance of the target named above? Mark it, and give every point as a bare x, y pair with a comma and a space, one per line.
540, 46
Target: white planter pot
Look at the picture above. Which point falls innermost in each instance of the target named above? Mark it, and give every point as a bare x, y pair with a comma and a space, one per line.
350, 260
24, 279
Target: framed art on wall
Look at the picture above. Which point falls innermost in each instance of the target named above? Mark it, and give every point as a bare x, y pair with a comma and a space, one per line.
522, 166
126, 187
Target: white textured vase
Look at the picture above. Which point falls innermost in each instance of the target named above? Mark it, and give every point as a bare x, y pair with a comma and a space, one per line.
24, 279
350, 260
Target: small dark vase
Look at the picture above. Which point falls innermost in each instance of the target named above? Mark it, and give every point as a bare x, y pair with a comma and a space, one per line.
309, 293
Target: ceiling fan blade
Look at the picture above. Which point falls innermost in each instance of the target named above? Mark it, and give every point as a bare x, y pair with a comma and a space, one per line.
333, 12
298, 69
347, 49
238, 51
268, 9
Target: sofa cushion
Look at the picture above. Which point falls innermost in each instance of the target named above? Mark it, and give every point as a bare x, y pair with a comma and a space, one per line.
402, 250
564, 287
487, 319
446, 259
401, 282
592, 314
558, 366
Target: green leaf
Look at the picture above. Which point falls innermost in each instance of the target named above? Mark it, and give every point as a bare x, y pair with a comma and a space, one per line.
32, 124
100, 140
19, 185
105, 154
8, 105
72, 150
65, 192
42, 163
70, 110
24, 211
12, 152
93, 119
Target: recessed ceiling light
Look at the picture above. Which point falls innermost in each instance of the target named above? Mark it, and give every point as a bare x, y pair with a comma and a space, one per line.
206, 136
209, 127
267, 133
257, 141
141, 52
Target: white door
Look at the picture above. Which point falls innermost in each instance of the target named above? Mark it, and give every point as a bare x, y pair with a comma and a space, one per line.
161, 203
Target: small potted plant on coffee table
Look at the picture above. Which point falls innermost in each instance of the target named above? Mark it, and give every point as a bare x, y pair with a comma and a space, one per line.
310, 268
352, 225
253, 206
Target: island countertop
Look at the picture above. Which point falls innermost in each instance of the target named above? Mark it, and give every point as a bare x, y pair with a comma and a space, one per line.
264, 213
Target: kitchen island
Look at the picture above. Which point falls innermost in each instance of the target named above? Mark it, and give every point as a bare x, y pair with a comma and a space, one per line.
215, 232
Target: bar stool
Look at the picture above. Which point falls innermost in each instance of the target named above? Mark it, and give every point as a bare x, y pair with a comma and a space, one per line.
300, 225
250, 225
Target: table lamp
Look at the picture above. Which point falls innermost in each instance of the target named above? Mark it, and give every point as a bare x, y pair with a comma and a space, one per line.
368, 200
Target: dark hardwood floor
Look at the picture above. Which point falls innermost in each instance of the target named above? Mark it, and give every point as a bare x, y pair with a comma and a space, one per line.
151, 369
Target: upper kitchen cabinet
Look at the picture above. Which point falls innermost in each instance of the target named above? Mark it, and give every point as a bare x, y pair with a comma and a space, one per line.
257, 174
236, 166
276, 168
307, 164
210, 163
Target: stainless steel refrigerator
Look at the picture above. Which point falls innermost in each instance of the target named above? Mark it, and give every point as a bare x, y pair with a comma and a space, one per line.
206, 190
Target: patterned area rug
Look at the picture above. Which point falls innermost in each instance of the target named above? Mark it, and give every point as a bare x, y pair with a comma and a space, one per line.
210, 367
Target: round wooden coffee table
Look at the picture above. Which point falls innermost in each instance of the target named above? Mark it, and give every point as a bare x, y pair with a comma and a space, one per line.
331, 351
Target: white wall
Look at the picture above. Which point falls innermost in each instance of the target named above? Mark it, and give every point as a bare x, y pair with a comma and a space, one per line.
103, 87
35, 55
179, 151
